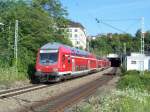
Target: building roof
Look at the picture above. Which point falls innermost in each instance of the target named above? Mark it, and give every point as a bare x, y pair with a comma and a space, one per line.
75, 24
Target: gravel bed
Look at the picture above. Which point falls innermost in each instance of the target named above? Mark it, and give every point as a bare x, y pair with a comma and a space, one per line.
16, 84
23, 100
102, 91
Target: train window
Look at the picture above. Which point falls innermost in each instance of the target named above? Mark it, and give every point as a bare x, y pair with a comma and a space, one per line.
69, 59
77, 67
63, 58
48, 58
81, 67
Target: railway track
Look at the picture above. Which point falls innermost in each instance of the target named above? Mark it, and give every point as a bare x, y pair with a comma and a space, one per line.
17, 91
13, 92
74, 96
59, 103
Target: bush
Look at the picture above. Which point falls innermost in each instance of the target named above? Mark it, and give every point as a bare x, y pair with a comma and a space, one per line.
130, 81
131, 72
132, 96
133, 79
123, 69
9, 75
37, 26
146, 80
130, 100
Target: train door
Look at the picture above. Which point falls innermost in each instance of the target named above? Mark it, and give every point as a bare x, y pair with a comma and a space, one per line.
69, 62
66, 63
73, 65
89, 64
96, 64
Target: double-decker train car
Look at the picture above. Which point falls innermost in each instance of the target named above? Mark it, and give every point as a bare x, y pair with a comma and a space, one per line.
56, 62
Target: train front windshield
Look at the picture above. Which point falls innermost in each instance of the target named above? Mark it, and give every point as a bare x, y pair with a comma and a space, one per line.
48, 57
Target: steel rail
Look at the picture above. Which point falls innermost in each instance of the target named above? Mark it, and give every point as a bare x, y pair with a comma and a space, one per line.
65, 100
17, 91
76, 95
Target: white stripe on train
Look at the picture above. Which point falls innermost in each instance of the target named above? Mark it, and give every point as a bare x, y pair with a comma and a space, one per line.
77, 72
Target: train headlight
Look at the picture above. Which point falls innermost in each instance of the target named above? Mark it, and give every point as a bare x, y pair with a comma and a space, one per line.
38, 70
55, 70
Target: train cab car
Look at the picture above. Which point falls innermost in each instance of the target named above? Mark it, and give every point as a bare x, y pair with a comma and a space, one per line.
57, 61
47, 63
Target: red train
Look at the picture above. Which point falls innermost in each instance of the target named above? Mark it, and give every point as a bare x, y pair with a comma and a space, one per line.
56, 62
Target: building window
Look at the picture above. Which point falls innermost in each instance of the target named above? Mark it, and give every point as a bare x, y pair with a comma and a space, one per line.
70, 35
67, 30
77, 42
76, 30
133, 62
76, 35
70, 30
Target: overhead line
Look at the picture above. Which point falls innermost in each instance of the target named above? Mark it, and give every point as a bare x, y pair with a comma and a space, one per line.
114, 20
127, 29
118, 20
109, 25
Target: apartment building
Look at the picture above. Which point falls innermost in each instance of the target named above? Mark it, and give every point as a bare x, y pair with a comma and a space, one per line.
77, 34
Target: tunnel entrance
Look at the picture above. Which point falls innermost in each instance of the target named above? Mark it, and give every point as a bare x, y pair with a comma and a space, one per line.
115, 62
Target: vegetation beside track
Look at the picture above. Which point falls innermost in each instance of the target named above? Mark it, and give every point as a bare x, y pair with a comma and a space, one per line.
134, 80
9, 75
38, 25
132, 95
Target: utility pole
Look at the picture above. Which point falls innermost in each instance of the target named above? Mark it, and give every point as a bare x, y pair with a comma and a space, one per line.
88, 44
142, 35
16, 45
142, 45
125, 59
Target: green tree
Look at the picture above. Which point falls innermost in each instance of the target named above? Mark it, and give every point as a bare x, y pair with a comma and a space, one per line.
104, 44
36, 27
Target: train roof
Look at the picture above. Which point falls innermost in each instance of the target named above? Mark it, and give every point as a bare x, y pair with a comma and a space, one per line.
74, 51
51, 46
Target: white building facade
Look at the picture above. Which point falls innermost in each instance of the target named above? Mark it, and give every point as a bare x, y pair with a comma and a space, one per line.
77, 35
138, 62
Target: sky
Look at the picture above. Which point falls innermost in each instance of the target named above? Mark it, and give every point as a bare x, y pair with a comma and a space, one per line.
99, 16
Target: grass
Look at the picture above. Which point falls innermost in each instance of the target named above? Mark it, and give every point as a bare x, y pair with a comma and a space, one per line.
9, 75
133, 79
132, 95
129, 100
